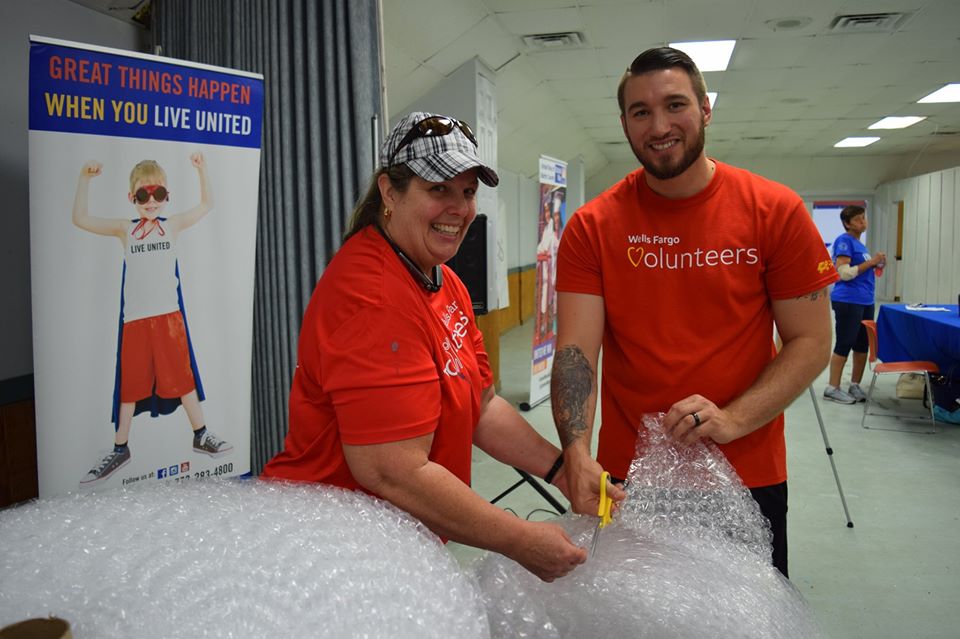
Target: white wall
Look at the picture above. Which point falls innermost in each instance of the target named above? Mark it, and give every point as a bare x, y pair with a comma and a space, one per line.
509, 217
841, 175
930, 269
576, 185
520, 203
18, 20
469, 94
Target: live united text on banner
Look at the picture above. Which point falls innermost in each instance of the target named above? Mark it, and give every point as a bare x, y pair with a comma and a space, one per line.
551, 217
99, 92
144, 178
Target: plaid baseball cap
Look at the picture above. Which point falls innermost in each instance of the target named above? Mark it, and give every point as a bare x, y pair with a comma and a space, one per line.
436, 157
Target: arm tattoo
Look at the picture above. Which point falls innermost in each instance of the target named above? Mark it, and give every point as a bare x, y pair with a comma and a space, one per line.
571, 384
815, 295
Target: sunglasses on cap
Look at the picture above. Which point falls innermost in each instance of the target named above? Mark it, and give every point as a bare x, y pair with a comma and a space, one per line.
433, 126
158, 191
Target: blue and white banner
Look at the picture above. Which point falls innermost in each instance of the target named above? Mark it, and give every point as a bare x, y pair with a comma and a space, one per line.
98, 91
144, 178
551, 218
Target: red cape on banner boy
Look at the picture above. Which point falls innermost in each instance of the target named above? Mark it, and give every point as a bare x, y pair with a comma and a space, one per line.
144, 177
551, 217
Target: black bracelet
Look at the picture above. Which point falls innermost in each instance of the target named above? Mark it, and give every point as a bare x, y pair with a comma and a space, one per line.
553, 470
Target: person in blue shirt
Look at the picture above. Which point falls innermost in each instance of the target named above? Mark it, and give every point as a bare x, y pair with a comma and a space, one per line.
852, 301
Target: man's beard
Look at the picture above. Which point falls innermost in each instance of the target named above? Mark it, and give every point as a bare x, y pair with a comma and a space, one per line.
666, 172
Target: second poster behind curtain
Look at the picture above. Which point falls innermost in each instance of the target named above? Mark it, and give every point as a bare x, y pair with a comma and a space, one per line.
551, 217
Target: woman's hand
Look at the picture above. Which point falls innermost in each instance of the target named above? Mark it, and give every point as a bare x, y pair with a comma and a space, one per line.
547, 551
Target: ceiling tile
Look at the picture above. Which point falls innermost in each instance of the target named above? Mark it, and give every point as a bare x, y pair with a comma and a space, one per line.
582, 88
566, 65
789, 93
423, 27
485, 39
511, 5
411, 87
533, 21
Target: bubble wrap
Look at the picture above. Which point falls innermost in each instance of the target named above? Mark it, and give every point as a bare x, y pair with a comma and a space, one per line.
687, 556
232, 559
692, 491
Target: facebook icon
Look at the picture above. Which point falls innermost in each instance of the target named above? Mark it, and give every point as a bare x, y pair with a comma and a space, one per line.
161, 473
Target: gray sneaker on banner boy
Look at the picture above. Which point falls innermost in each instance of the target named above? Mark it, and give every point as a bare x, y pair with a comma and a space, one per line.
112, 462
210, 444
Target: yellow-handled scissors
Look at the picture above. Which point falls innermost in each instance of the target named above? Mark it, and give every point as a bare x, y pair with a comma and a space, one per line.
603, 512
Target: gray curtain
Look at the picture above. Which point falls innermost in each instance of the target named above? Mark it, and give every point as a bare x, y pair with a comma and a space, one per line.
320, 64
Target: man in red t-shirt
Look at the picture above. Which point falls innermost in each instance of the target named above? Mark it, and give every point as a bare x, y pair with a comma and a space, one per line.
680, 272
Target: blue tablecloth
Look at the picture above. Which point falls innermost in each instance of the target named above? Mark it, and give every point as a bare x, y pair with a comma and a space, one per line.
920, 335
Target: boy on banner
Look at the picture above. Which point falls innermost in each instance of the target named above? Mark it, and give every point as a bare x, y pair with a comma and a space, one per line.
156, 367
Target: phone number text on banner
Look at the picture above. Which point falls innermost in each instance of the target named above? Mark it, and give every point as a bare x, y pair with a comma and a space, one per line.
98, 93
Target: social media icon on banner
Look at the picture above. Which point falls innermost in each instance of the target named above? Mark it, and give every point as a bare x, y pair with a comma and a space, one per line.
161, 473
173, 470
185, 467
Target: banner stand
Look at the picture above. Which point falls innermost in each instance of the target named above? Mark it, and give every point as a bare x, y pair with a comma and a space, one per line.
551, 216
144, 185
525, 406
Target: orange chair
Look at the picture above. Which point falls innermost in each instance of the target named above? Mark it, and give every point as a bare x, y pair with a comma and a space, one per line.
880, 368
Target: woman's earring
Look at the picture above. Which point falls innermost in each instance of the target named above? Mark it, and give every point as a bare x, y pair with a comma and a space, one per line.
387, 213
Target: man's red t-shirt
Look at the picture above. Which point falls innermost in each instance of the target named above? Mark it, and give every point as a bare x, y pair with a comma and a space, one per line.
382, 360
687, 287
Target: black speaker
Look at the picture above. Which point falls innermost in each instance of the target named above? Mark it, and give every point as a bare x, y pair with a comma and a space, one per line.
470, 263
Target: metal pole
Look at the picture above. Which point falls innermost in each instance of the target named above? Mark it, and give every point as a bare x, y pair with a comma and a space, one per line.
826, 443
525, 406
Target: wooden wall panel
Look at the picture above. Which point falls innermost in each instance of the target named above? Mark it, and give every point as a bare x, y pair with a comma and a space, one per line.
955, 254
489, 325
930, 269
921, 238
947, 249
932, 245
528, 287
510, 316
18, 453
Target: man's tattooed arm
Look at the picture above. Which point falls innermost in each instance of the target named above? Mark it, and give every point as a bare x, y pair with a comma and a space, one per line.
815, 295
571, 385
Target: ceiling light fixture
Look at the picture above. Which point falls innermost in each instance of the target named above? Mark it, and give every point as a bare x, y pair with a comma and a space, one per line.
946, 93
712, 96
855, 142
788, 24
896, 122
713, 55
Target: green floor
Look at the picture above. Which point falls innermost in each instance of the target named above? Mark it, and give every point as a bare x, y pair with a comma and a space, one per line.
895, 574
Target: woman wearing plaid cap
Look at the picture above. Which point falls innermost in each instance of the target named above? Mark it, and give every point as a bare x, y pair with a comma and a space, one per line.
393, 386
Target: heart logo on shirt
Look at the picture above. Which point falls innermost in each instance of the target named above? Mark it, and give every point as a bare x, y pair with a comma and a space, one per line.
635, 250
